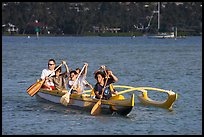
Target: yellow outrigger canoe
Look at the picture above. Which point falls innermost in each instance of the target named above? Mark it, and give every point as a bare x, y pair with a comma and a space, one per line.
118, 104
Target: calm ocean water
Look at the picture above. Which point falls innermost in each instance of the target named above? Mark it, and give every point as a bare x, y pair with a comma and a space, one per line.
161, 63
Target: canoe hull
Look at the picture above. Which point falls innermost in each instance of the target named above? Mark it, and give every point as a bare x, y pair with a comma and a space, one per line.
122, 106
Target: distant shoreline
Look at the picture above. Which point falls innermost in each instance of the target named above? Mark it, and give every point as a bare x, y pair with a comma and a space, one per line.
125, 34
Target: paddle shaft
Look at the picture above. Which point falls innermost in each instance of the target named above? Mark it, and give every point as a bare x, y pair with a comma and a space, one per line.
55, 70
76, 79
103, 89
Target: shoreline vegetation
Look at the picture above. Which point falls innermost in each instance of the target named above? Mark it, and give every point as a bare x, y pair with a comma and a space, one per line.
103, 19
107, 34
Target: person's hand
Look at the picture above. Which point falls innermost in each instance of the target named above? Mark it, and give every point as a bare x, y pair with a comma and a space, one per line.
101, 96
110, 72
86, 64
63, 62
46, 78
116, 92
90, 86
103, 67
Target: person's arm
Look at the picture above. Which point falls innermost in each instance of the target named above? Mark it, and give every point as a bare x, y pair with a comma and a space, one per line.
66, 73
85, 69
96, 91
115, 79
43, 74
90, 86
97, 94
87, 84
45, 83
49, 79
66, 66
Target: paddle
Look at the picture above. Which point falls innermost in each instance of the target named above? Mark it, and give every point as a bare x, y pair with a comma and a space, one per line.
34, 88
65, 98
96, 108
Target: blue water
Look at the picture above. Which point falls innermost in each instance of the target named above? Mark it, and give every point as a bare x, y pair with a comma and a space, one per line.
161, 63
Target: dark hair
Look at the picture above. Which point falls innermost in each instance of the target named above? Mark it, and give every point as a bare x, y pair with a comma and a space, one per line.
73, 71
101, 73
78, 69
60, 68
52, 60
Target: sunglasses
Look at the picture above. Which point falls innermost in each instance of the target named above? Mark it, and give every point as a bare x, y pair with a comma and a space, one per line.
50, 64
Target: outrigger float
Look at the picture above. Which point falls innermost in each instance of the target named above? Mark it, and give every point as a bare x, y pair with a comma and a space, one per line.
146, 100
118, 104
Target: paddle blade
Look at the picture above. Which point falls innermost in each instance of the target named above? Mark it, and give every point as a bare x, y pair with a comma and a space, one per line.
96, 108
33, 89
65, 99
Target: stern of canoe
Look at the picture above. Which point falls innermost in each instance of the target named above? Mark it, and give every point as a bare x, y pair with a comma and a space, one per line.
124, 110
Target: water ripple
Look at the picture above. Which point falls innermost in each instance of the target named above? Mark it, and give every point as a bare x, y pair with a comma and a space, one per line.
166, 64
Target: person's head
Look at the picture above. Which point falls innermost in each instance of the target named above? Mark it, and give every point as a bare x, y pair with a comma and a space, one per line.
58, 71
73, 75
51, 64
99, 76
